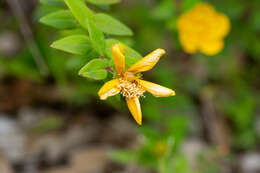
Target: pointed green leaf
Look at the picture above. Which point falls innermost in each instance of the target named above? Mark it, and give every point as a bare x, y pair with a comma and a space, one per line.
94, 64
76, 44
62, 19
86, 17
96, 74
103, 2
96, 37
111, 25
80, 11
95, 69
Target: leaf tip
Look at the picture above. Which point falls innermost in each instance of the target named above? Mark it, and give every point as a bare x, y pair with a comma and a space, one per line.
52, 44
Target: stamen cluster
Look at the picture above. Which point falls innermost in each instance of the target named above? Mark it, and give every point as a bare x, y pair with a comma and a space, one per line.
130, 89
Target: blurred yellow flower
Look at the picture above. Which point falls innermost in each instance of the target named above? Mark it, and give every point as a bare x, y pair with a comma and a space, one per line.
203, 29
130, 85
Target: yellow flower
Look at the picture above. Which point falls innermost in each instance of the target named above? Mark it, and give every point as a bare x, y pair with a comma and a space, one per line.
130, 85
203, 29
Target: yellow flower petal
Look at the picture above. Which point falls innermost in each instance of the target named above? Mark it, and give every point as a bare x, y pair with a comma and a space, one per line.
188, 43
223, 27
119, 58
155, 89
109, 89
212, 48
147, 62
135, 109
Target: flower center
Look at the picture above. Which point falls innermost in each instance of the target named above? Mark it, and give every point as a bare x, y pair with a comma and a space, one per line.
130, 89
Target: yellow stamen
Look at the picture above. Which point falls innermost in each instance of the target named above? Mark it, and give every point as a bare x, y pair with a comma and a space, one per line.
130, 89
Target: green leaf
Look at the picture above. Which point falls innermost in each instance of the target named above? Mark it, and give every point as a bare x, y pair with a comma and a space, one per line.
75, 31
80, 11
131, 55
111, 25
103, 2
44, 10
52, 2
86, 17
96, 37
95, 69
76, 44
96, 74
62, 19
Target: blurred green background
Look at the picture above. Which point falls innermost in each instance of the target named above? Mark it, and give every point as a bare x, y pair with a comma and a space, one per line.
51, 120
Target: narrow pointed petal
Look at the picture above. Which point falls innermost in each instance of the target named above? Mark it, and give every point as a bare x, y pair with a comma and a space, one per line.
119, 58
135, 109
148, 62
155, 89
109, 89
